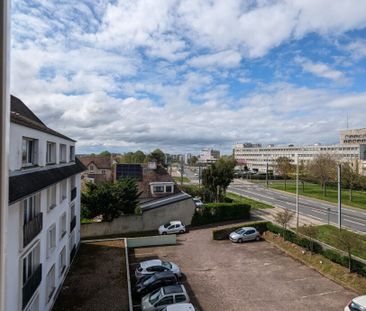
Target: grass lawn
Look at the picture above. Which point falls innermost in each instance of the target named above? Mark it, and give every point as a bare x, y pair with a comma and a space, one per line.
179, 179
327, 234
315, 191
326, 267
254, 204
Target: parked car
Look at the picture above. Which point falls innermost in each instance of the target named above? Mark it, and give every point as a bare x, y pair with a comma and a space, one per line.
150, 267
197, 202
152, 282
244, 234
175, 226
357, 304
180, 307
163, 297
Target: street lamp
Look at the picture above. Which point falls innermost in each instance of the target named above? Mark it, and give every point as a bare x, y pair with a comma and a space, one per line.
339, 196
297, 191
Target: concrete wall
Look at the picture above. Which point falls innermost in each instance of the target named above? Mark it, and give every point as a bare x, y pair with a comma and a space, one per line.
152, 241
149, 220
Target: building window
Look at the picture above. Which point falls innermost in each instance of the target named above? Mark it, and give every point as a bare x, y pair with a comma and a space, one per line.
51, 197
72, 153
63, 190
29, 152
51, 239
50, 283
168, 189
51, 153
30, 264
91, 168
103, 171
158, 189
62, 153
31, 208
62, 261
62, 225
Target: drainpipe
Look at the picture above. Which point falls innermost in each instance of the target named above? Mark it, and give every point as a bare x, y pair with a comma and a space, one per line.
4, 136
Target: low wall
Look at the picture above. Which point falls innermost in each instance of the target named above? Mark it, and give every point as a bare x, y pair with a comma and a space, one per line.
152, 240
148, 221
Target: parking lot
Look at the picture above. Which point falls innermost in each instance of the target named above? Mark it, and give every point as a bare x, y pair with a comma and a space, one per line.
220, 275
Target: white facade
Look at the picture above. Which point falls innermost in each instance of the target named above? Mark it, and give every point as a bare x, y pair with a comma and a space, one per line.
43, 227
257, 158
209, 155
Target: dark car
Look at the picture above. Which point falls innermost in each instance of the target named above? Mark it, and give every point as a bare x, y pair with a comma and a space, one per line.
151, 282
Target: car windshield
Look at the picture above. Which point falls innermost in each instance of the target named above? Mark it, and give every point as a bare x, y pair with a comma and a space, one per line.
166, 264
356, 307
167, 225
149, 280
240, 231
154, 296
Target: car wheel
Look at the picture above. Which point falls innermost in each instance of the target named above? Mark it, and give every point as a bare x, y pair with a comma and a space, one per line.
181, 231
240, 240
164, 233
257, 238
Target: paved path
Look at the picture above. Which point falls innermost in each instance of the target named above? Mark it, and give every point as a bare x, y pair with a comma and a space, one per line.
316, 210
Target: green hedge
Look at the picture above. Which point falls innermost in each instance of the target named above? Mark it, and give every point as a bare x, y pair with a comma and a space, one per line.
223, 234
332, 255
216, 212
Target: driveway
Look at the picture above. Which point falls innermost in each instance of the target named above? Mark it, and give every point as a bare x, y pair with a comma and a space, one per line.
251, 276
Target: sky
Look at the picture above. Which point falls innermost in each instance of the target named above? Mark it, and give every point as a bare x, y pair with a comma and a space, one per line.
124, 75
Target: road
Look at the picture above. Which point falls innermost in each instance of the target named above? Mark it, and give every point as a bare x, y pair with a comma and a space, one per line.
352, 218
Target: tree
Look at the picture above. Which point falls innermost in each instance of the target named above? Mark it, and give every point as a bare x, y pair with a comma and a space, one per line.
284, 168
350, 177
302, 174
311, 232
193, 161
133, 157
348, 242
283, 218
217, 177
323, 168
158, 156
105, 153
110, 200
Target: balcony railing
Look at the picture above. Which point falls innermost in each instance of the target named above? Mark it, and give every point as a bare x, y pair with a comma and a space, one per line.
73, 193
31, 285
72, 253
32, 228
72, 223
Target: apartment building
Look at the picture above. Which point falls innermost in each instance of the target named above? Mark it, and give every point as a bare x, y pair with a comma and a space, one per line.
43, 225
209, 155
256, 158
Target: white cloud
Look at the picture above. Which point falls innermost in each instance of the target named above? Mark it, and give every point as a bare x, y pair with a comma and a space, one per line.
227, 59
320, 69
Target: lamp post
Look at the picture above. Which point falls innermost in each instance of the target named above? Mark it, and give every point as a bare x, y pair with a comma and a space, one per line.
297, 191
339, 171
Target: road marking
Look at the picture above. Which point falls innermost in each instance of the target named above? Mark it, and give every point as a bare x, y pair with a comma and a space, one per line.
319, 211
353, 222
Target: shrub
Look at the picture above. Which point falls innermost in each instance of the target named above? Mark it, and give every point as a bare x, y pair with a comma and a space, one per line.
193, 190
223, 234
215, 212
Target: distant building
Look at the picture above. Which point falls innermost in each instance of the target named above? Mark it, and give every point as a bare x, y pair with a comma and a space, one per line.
208, 156
43, 225
99, 168
257, 158
357, 136
187, 158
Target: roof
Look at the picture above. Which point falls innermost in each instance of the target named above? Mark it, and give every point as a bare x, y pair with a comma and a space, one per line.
150, 263
28, 183
22, 115
173, 289
182, 196
100, 162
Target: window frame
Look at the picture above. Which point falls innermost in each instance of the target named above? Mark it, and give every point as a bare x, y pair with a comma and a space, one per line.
51, 197
51, 239
50, 277
29, 155
50, 152
63, 225
62, 153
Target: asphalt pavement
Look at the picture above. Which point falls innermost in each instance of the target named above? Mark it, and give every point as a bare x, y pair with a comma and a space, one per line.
352, 218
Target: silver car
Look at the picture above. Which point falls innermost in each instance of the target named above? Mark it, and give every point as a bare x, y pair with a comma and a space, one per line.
244, 234
150, 267
163, 297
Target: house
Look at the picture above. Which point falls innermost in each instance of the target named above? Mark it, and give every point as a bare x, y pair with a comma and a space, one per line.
43, 224
99, 168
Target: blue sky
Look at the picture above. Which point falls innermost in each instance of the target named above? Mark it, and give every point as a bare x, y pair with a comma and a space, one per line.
181, 75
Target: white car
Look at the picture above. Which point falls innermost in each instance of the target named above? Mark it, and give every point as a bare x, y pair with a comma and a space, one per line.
357, 304
163, 297
175, 226
244, 234
180, 307
197, 202
150, 267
